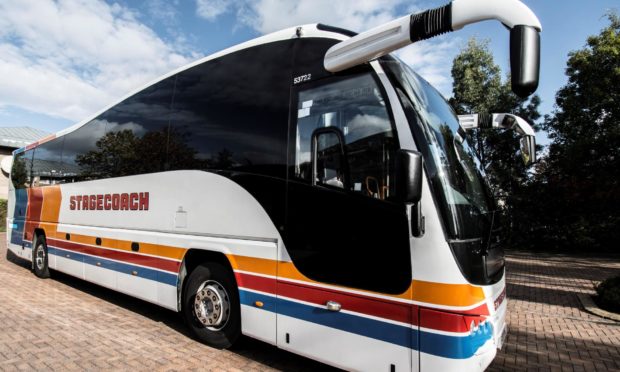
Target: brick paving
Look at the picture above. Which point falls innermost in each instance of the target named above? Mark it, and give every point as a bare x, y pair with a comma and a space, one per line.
548, 328
69, 324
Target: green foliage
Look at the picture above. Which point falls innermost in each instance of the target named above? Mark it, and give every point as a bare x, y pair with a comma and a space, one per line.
123, 153
3, 206
478, 88
609, 294
578, 181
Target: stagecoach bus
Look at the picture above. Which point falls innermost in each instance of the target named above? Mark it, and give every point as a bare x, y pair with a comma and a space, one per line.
305, 188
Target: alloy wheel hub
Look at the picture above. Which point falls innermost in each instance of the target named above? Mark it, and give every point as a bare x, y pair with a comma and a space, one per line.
211, 305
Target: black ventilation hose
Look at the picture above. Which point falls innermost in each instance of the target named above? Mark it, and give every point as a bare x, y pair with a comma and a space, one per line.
430, 23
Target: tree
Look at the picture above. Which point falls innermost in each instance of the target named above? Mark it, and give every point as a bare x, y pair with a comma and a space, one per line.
478, 88
582, 169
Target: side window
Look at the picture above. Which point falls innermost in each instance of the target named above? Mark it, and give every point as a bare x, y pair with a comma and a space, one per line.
46, 165
22, 169
136, 136
232, 113
79, 147
356, 108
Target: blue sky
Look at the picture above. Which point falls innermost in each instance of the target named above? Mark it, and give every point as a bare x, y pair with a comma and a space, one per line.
61, 61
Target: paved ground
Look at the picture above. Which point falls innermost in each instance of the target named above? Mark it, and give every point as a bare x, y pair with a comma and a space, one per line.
68, 324
548, 327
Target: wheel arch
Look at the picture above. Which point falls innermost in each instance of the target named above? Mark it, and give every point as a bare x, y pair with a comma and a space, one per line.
194, 257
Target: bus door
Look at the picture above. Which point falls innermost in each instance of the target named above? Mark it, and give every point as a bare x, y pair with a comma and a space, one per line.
341, 296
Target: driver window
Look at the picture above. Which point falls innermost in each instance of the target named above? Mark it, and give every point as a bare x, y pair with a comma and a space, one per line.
356, 106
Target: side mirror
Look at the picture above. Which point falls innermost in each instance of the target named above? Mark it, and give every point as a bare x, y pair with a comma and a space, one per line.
505, 121
524, 59
409, 176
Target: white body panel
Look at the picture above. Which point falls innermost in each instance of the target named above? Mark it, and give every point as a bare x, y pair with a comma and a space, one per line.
216, 212
341, 349
258, 324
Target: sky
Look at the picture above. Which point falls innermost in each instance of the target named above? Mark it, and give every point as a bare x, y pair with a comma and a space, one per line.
61, 61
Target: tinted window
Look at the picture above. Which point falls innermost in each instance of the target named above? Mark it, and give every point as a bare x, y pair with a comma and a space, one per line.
46, 164
21, 170
136, 138
232, 112
77, 145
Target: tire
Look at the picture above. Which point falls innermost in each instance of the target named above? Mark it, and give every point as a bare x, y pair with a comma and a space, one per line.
40, 258
211, 305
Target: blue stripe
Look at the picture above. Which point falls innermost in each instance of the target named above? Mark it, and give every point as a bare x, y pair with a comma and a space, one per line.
447, 346
143, 272
388, 332
249, 298
453, 346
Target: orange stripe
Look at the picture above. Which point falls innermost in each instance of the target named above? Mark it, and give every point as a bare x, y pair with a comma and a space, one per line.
252, 264
447, 294
50, 211
146, 248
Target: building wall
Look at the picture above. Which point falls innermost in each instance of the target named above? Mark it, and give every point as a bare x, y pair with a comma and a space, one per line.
4, 177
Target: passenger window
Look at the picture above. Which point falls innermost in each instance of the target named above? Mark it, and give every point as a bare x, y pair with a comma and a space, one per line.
232, 113
356, 107
80, 153
46, 165
21, 170
136, 138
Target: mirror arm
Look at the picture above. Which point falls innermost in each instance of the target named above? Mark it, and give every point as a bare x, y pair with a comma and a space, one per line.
523, 24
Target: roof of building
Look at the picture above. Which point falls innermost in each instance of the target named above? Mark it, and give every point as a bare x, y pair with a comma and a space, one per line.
16, 137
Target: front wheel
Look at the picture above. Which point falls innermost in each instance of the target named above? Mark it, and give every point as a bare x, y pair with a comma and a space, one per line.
211, 305
39, 258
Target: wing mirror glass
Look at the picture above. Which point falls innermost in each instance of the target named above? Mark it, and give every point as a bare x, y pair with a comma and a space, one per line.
505, 121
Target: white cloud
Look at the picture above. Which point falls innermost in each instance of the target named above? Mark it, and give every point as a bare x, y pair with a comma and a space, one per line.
70, 58
211, 9
432, 59
357, 15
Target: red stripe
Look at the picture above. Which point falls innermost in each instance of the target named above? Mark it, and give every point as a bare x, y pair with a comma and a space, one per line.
449, 322
154, 262
33, 213
257, 283
439, 319
352, 302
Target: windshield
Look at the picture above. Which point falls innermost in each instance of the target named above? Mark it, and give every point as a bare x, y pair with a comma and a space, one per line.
454, 170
